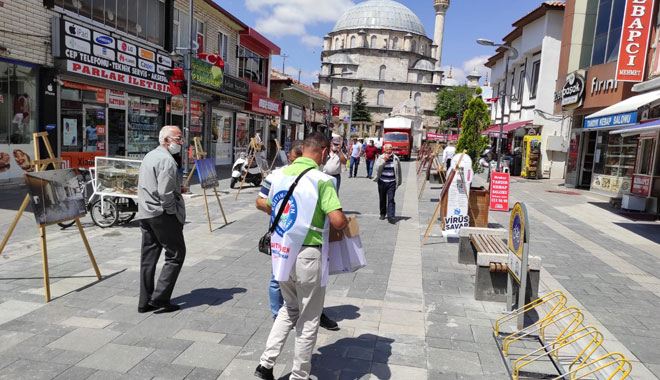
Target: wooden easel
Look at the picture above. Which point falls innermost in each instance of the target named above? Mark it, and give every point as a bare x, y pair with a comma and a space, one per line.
431, 161
443, 194
279, 148
41, 165
254, 147
200, 154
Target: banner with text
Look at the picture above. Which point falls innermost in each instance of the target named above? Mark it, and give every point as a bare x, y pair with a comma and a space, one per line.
635, 33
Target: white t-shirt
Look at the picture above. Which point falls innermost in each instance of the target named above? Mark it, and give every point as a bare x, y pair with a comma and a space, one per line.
448, 154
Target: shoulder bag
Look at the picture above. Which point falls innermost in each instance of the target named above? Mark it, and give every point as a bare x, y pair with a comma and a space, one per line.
264, 242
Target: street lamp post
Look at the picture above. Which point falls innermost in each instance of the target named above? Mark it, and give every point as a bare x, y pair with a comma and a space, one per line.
513, 53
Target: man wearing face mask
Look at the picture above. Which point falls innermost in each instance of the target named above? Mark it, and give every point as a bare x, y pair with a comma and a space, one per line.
162, 213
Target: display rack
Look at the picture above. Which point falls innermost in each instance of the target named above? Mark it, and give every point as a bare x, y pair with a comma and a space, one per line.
116, 177
142, 131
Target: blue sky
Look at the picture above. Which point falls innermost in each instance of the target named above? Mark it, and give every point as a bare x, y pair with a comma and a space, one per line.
298, 26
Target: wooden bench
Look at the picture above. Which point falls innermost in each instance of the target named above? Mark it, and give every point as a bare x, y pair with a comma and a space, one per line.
487, 250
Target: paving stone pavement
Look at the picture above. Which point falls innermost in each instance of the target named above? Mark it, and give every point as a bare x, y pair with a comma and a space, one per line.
410, 314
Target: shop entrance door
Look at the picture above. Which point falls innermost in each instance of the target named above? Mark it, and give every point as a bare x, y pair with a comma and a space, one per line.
588, 151
93, 133
117, 132
574, 161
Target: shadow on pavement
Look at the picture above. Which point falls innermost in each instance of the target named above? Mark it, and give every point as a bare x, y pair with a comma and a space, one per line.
206, 296
354, 357
342, 312
646, 230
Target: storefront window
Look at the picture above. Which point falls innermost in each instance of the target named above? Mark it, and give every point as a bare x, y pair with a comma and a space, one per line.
83, 119
645, 156
18, 103
142, 18
144, 122
222, 123
614, 162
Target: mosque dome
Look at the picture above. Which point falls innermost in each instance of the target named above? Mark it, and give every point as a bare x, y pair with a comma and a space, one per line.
380, 14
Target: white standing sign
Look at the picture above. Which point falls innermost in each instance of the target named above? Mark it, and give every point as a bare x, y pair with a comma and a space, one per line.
457, 196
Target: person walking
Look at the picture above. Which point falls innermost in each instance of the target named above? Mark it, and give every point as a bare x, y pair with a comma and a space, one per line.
162, 213
388, 177
370, 152
447, 155
299, 247
336, 160
356, 152
274, 291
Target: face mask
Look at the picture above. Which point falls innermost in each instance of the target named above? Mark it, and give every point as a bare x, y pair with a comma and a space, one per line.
174, 148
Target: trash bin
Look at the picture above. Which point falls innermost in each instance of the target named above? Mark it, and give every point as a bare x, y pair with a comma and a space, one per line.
478, 204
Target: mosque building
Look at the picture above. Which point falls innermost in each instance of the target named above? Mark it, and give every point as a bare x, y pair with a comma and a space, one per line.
383, 45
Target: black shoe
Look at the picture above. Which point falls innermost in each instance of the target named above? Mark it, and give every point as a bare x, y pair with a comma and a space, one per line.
164, 307
264, 373
328, 323
147, 309
391, 220
382, 217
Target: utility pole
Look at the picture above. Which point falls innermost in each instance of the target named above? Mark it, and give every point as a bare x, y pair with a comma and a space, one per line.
186, 129
284, 57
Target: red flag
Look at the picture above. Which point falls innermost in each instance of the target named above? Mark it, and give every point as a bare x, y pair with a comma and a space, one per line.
177, 81
335, 110
492, 100
214, 59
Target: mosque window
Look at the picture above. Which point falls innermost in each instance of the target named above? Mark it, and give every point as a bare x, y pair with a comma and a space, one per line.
336, 43
344, 95
395, 43
413, 46
381, 72
374, 39
381, 98
418, 99
422, 49
352, 42
420, 77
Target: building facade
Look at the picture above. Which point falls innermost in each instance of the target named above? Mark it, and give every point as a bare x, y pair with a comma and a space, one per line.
529, 102
383, 45
26, 81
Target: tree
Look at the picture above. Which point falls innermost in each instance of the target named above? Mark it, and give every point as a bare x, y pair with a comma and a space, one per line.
360, 111
475, 120
450, 102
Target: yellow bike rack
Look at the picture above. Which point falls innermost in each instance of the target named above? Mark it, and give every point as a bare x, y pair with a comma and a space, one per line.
554, 295
552, 349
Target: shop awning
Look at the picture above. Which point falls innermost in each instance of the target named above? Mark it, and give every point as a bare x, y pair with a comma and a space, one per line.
646, 127
622, 113
495, 128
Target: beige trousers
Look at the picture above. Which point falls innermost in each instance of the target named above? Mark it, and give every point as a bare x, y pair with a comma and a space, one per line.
303, 303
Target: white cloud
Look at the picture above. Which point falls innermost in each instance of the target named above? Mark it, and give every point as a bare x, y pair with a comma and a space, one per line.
291, 17
312, 41
459, 72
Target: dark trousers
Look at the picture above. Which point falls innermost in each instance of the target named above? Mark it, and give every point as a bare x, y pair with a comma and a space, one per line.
352, 170
386, 192
158, 233
338, 178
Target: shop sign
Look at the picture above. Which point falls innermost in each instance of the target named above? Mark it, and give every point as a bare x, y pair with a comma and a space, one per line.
635, 35
117, 99
265, 105
79, 160
235, 87
441, 137
617, 120
293, 113
91, 53
499, 191
641, 185
572, 94
206, 74
177, 105
603, 86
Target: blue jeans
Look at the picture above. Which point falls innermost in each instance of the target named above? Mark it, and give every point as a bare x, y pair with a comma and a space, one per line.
338, 178
275, 295
370, 167
386, 192
352, 170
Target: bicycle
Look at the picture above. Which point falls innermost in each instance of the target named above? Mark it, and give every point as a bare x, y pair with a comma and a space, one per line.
113, 210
